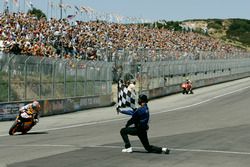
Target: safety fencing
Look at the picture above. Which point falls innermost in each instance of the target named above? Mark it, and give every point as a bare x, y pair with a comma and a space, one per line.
57, 82
129, 61
66, 85
159, 72
154, 55
165, 77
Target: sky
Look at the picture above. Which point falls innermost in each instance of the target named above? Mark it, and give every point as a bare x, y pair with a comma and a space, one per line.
151, 10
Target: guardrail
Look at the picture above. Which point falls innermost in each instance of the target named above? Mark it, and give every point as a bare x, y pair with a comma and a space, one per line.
8, 111
69, 85
163, 78
60, 85
28, 77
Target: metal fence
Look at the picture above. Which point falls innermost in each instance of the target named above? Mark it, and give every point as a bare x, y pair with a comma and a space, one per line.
152, 75
153, 55
158, 68
29, 77
127, 60
25, 78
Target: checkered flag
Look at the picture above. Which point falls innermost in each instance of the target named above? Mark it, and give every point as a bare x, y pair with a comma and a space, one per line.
125, 97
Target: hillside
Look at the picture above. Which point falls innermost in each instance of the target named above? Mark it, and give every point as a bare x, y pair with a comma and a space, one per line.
232, 31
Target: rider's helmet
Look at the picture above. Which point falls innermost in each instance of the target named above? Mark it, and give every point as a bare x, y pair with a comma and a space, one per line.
142, 99
35, 105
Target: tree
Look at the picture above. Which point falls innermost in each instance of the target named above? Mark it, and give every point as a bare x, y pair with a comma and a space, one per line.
37, 12
239, 30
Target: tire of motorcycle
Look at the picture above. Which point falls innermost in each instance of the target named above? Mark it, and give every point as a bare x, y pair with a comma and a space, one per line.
26, 130
13, 128
183, 91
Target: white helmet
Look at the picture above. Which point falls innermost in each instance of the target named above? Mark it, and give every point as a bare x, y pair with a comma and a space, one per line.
35, 105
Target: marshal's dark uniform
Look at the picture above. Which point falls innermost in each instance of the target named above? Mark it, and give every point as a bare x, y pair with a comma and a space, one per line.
140, 119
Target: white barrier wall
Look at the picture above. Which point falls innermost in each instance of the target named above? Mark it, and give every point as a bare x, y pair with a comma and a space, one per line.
8, 111
155, 79
153, 75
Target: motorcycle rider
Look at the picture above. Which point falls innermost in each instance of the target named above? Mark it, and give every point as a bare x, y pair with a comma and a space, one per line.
26, 112
189, 82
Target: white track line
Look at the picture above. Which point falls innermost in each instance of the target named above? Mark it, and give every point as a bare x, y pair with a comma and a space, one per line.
140, 148
213, 151
160, 112
184, 150
37, 145
196, 104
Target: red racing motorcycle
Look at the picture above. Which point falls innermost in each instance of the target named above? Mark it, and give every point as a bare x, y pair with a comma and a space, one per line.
23, 126
186, 88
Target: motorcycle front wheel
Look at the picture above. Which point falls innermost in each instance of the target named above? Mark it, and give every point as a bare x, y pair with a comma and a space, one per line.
13, 128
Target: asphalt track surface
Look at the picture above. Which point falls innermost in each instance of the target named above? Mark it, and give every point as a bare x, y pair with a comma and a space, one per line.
209, 128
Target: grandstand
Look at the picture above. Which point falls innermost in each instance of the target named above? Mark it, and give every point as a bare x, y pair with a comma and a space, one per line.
25, 34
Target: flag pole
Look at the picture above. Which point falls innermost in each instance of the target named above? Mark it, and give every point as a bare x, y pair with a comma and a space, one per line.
51, 8
19, 6
4, 5
23, 6
47, 8
60, 9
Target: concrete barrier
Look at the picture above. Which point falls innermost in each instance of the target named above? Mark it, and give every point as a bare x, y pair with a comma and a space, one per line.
8, 111
176, 88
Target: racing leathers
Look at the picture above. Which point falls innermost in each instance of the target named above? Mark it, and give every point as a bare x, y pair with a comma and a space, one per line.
28, 112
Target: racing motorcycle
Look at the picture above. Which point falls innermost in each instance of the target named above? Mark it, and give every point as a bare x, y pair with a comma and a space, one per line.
186, 88
23, 126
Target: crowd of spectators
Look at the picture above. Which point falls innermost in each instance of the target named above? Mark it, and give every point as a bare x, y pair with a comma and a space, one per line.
21, 33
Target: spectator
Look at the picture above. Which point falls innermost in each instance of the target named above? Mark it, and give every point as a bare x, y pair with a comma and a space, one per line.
24, 33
